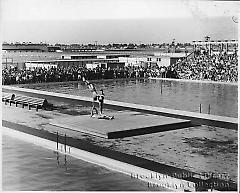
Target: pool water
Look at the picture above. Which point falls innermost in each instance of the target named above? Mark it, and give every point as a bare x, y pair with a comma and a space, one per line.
28, 167
186, 96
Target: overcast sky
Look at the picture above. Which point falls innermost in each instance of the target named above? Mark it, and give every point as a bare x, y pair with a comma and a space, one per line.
119, 21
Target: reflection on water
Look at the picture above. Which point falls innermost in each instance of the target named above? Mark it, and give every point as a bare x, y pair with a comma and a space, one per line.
28, 167
222, 98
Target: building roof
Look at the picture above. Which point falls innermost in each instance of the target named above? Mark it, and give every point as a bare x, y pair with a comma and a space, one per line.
171, 55
71, 60
215, 42
111, 54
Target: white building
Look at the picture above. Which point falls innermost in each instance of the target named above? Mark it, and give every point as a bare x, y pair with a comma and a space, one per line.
133, 61
170, 58
30, 65
95, 65
159, 59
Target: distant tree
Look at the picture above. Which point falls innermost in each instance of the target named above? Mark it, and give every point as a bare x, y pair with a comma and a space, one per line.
116, 45
173, 42
131, 46
207, 38
142, 46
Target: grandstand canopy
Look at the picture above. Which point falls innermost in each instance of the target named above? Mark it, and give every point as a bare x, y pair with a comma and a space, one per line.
215, 42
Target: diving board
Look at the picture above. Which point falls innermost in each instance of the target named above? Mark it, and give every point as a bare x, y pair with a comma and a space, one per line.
125, 124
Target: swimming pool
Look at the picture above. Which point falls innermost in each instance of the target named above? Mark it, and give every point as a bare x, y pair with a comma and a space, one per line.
186, 96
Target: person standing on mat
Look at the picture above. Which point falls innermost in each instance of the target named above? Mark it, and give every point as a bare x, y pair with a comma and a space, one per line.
100, 101
94, 95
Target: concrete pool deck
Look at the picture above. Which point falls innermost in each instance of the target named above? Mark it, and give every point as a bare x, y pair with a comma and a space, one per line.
124, 124
37, 124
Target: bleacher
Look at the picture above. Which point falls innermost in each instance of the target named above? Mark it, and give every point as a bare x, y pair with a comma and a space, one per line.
37, 103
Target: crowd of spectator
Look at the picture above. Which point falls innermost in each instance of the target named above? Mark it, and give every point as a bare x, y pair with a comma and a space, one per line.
61, 74
202, 66
220, 66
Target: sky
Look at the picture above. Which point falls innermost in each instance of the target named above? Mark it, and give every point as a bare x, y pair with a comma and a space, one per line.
117, 21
